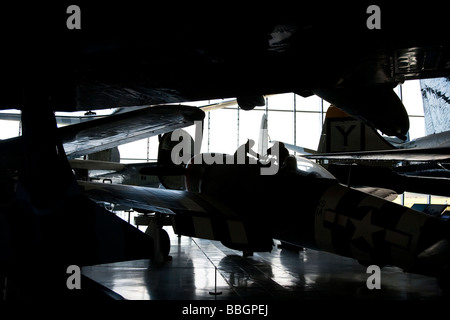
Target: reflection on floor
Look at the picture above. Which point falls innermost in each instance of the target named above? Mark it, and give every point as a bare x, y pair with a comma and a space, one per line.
198, 264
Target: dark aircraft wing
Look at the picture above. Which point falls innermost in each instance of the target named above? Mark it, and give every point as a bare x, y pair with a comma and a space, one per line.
416, 154
107, 132
60, 119
100, 134
96, 165
104, 133
143, 198
194, 214
387, 178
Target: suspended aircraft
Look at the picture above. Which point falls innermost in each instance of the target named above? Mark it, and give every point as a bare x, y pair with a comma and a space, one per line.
124, 56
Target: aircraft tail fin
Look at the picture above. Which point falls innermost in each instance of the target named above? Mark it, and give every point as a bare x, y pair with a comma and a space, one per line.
263, 141
343, 133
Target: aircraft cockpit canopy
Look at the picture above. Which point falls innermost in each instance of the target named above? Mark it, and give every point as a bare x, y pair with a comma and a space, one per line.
307, 167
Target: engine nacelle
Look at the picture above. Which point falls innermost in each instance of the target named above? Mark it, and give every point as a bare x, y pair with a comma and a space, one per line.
166, 149
199, 165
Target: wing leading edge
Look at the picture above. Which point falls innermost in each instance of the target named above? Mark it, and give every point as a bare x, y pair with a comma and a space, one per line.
149, 199
416, 154
194, 214
100, 134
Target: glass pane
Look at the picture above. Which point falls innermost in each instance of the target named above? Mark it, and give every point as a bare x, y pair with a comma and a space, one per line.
223, 133
312, 103
9, 129
250, 125
281, 126
416, 127
281, 102
309, 129
412, 198
412, 97
134, 151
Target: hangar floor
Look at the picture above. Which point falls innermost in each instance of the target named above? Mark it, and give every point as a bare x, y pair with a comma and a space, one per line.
199, 264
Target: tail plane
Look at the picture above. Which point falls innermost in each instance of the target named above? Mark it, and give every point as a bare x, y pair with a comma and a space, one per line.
343, 133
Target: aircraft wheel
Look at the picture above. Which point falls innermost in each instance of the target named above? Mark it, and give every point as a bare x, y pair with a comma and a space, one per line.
164, 240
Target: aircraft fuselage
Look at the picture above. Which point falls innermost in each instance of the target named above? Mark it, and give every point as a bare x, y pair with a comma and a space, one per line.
302, 208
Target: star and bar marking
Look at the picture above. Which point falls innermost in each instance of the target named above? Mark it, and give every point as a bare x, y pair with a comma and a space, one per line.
365, 229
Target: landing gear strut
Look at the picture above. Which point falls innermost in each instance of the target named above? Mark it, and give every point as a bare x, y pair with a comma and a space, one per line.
161, 240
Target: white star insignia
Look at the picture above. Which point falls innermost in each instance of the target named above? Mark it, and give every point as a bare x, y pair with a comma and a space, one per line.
365, 229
